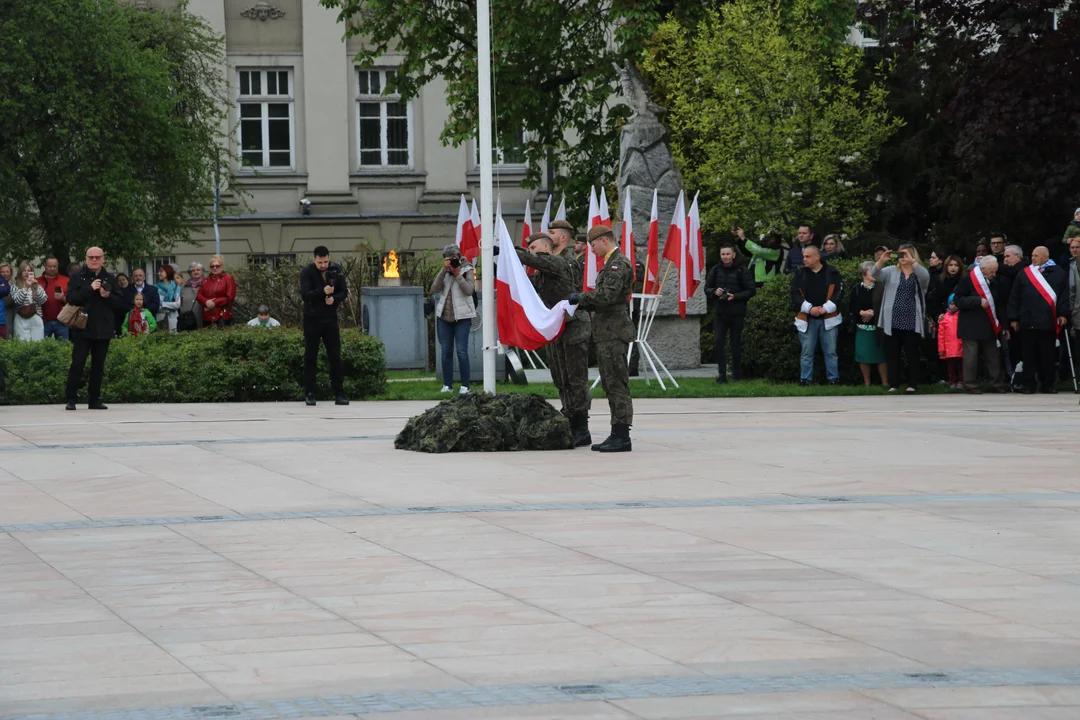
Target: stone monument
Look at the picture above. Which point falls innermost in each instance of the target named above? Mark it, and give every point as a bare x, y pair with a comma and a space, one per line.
645, 162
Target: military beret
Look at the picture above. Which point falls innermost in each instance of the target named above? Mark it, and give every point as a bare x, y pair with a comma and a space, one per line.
600, 231
562, 225
540, 236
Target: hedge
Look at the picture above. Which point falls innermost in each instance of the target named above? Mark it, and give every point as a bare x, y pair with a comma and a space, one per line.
236, 365
770, 343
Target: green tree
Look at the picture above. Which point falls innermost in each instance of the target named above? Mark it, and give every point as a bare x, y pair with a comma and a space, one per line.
553, 67
111, 118
768, 119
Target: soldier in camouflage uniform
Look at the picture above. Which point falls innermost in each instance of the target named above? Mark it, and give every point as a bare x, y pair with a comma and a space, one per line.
613, 333
558, 277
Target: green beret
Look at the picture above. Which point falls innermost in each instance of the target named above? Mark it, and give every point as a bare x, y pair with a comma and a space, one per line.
540, 236
562, 225
600, 231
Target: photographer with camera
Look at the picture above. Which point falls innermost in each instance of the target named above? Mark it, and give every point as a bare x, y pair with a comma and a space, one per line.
732, 286
94, 289
454, 312
323, 288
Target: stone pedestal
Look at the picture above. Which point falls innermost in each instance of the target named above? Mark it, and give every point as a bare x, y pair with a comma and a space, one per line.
395, 315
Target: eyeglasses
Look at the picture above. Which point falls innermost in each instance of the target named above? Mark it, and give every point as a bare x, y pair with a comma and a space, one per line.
214, 266
94, 257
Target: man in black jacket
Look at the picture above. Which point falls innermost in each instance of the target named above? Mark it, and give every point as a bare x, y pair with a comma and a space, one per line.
815, 291
1039, 308
93, 289
322, 285
732, 286
982, 307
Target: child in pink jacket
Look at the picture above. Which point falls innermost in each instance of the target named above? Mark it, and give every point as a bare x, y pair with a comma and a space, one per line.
950, 347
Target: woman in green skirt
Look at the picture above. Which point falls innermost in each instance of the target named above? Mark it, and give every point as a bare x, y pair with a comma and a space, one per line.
869, 350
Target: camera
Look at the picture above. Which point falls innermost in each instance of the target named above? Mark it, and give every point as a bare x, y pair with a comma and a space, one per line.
106, 286
334, 273
455, 262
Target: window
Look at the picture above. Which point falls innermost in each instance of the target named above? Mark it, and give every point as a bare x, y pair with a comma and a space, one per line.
266, 119
159, 261
512, 155
272, 262
384, 122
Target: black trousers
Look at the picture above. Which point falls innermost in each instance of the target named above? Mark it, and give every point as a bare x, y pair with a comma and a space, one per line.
97, 351
908, 340
722, 324
317, 330
1040, 357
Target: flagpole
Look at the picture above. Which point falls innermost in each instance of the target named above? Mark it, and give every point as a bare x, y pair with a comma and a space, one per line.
487, 222
660, 290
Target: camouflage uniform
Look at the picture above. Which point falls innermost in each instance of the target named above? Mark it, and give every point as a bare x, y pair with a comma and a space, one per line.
613, 332
557, 278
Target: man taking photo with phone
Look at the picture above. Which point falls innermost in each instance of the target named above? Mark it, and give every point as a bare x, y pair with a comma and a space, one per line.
323, 288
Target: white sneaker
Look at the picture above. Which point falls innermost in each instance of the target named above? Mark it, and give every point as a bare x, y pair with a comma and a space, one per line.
447, 388
464, 390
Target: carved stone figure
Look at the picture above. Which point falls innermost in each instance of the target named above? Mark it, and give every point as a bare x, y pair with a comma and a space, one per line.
645, 162
263, 11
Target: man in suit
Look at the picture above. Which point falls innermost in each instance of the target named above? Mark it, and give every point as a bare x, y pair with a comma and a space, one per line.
152, 301
1039, 308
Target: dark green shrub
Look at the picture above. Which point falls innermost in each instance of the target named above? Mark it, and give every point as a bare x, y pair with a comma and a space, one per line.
771, 343
237, 365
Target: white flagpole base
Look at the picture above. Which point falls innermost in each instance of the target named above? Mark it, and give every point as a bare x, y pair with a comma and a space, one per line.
648, 305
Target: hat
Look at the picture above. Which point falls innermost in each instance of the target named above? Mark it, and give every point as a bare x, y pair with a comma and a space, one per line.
600, 231
562, 225
540, 236
951, 296
263, 310
880, 248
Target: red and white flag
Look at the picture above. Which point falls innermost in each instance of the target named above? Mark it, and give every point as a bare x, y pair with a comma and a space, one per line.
560, 214
523, 319
651, 286
1035, 275
605, 216
592, 262
677, 250
626, 244
466, 237
476, 220
695, 246
545, 221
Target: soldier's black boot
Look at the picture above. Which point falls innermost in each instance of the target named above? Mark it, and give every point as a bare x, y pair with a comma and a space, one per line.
618, 441
580, 425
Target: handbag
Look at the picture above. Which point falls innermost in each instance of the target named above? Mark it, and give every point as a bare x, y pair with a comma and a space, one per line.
73, 316
27, 311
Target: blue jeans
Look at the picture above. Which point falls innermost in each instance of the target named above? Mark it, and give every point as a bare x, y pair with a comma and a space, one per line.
817, 334
56, 329
453, 336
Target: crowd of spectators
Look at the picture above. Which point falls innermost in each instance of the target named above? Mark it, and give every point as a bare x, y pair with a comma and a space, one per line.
1003, 320
31, 303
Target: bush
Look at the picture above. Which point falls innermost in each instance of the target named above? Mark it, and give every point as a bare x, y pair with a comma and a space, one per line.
770, 341
237, 365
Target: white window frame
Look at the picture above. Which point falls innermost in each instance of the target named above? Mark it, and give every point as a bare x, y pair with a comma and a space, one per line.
500, 153
264, 99
383, 101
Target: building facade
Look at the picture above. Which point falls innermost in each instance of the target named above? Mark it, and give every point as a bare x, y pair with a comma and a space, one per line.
327, 158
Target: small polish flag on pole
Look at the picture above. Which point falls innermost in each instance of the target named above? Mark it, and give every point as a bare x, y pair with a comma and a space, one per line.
677, 251
627, 244
652, 252
545, 221
560, 214
465, 236
526, 227
592, 262
696, 247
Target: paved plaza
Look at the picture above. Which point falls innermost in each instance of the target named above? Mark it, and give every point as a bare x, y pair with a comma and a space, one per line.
830, 558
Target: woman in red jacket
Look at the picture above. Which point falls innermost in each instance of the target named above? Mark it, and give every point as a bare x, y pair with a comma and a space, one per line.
217, 294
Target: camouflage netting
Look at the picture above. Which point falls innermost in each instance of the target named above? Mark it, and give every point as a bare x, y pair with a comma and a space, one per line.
479, 422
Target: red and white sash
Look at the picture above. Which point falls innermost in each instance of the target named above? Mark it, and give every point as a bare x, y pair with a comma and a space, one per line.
1047, 292
983, 289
